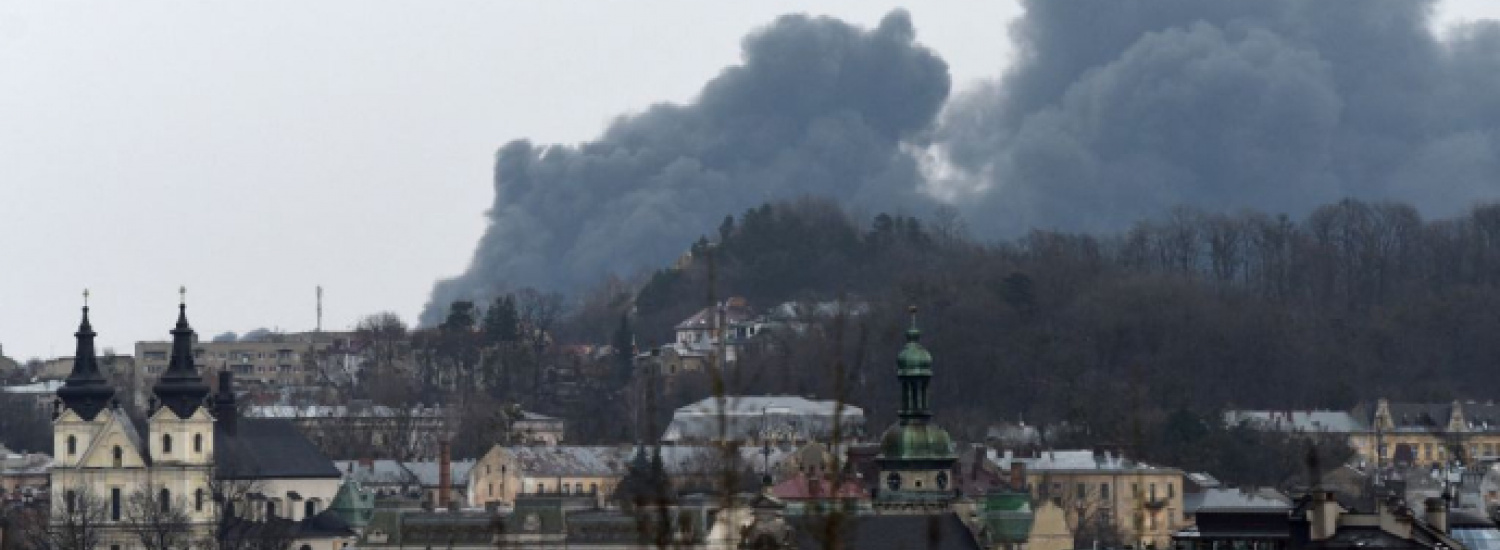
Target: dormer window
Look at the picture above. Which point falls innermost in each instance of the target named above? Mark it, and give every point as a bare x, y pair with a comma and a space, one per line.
119, 455
72, 445
166, 443
197, 443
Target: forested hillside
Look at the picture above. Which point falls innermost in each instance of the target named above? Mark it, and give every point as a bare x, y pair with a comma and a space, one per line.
1191, 313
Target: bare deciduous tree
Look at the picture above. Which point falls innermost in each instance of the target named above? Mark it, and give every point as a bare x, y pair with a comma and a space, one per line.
76, 523
158, 520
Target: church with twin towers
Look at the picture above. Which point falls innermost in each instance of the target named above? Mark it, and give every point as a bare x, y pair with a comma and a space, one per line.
194, 470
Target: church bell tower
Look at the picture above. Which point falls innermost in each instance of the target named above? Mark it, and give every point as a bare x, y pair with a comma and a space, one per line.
916, 456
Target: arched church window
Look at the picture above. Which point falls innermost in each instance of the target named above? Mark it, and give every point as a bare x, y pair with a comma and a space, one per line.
119, 455
197, 443
72, 445
166, 443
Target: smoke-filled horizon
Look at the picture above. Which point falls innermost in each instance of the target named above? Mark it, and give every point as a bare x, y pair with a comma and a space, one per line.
1113, 112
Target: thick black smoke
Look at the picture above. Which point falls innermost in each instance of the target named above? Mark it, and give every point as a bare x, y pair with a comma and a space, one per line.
1114, 111
817, 107
1119, 110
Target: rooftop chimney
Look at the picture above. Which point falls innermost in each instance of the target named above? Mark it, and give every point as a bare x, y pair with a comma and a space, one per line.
226, 412
445, 472
1437, 513
1323, 516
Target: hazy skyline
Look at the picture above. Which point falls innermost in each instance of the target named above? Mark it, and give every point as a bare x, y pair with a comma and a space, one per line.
254, 151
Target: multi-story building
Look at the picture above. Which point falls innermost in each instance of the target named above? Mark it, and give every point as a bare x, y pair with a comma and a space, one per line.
1397, 434
755, 420
281, 360
1106, 496
507, 472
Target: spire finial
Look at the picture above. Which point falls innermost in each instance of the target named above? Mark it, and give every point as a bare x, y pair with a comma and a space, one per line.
913, 334
85, 297
182, 295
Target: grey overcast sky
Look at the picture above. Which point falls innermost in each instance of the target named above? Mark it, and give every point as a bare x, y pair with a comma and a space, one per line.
254, 150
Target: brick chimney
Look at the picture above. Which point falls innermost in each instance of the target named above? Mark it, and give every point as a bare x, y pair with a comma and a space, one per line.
445, 473
225, 410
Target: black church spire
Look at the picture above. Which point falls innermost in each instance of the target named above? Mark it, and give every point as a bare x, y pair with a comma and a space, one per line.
86, 391
181, 388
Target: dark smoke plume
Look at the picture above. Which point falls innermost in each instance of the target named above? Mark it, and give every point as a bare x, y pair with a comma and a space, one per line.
817, 107
1113, 112
1119, 110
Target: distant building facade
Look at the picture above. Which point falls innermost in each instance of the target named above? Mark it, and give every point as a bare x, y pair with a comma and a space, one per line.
1106, 495
1397, 434
757, 420
279, 360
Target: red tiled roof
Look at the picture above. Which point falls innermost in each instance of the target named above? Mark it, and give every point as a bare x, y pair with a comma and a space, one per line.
799, 487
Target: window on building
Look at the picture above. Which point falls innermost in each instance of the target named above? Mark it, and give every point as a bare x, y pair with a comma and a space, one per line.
72, 445
310, 509
166, 501
197, 443
541, 488
71, 499
1082, 491
594, 488
166, 443
114, 504
198, 500
270, 509
1153, 491
1171, 490
578, 488
566, 489
119, 456
492, 490
1104, 492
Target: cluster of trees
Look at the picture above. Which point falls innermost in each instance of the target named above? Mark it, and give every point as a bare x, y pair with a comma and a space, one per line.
1180, 317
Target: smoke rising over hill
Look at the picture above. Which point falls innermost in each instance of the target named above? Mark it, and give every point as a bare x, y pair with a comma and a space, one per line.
1113, 112
1119, 110
817, 107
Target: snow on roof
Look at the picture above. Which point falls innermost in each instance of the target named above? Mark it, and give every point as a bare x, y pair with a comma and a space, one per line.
427, 471
774, 417
583, 460
1076, 460
1236, 500
336, 411
45, 386
1298, 421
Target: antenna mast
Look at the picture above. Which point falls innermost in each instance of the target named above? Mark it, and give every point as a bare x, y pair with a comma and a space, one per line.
320, 309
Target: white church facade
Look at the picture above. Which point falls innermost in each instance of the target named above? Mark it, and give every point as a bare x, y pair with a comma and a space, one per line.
196, 475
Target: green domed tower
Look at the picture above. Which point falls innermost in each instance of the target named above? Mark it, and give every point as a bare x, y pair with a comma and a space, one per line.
916, 456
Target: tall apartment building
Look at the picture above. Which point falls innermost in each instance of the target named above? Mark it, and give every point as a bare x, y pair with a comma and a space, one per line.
281, 360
